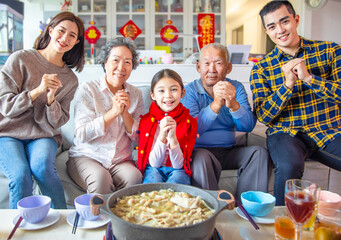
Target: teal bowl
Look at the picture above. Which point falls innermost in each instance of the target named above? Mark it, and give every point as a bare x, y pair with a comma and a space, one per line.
258, 203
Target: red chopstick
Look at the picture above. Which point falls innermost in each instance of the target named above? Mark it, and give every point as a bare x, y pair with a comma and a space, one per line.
247, 215
15, 228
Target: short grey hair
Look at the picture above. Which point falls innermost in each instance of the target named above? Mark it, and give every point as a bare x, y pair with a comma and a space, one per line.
219, 47
117, 42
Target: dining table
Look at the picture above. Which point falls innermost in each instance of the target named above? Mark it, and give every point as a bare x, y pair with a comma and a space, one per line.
229, 223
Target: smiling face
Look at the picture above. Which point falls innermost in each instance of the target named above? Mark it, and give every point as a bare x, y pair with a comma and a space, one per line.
167, 94
213, 66
118, 66
281, 27
64, 36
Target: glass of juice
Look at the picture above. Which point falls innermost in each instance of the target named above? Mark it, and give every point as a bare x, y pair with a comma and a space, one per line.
284, 227
328, 224
300, 200
309, 225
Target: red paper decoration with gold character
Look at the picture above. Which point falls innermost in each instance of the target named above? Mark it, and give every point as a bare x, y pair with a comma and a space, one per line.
205, 29
92, 34
169, 33
130, 30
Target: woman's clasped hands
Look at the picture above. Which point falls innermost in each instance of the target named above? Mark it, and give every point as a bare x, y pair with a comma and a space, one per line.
120, 102
49, 85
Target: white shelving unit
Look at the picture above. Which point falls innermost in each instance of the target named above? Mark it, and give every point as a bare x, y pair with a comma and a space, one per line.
96, 10
150, 16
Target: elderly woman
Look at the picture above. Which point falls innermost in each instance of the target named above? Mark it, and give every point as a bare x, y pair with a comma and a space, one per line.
107, 112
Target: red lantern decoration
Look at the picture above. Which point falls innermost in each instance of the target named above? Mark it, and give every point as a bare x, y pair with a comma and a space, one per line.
92, 34
169, 33
130, 30
205, 28
66, 6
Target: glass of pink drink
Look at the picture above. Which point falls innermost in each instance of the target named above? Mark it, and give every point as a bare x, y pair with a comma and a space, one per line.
300, 200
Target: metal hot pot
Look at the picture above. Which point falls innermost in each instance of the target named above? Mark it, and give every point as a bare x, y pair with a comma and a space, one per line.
204, 230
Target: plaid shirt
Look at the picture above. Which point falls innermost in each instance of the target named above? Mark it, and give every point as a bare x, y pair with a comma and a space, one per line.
312, 107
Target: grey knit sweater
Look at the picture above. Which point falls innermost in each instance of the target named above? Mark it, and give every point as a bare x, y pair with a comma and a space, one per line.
19, 116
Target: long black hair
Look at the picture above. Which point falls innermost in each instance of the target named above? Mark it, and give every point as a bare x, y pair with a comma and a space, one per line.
75, 56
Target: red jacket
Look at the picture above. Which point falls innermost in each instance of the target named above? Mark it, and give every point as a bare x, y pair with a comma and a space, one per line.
186, 132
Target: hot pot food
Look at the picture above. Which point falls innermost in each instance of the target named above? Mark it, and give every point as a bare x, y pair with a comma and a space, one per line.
165, 208
178, 199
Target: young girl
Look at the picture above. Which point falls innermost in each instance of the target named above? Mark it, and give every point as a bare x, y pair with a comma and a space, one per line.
37, 86
167, 133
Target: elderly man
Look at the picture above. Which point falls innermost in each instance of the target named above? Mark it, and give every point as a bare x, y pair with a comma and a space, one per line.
222, 108
296, 91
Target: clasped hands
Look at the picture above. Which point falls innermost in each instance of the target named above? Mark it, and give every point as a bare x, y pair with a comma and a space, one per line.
225, 94
49, 84
168, 131
294, 70
120, 102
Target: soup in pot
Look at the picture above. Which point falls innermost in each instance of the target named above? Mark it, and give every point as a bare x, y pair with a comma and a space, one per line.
164, 208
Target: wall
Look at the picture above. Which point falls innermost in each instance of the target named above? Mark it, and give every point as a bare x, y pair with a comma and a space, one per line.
324, 22
252, 35
314, 24
33, 14
248, 17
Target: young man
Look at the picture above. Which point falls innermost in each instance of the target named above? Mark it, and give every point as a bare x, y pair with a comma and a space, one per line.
296, 91
222, 108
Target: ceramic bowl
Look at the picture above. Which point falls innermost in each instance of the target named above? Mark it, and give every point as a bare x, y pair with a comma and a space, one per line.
34, 208
329, 200
258, 203
82, 205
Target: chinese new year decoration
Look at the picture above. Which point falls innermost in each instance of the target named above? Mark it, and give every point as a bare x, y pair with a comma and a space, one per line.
66, 6
92, 34
205, 29
130, 30
169, 33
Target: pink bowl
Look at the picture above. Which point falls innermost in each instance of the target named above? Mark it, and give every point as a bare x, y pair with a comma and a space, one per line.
329, 200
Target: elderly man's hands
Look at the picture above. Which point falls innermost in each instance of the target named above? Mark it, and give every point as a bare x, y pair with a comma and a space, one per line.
225, 94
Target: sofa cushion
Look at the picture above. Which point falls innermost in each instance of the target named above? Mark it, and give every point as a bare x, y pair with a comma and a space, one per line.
68, 129
317, 173
228, 181
147, 100
4, 196
334, 181
71, 189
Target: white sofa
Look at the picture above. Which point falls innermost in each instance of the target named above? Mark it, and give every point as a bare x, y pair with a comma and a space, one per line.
316, 172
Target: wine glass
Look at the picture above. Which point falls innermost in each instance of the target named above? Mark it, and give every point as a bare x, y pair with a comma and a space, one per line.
300, 199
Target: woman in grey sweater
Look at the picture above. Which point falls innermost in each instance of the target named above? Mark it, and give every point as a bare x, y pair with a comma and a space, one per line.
37, 86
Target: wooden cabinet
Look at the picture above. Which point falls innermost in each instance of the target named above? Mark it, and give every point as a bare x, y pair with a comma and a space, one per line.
150, 16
